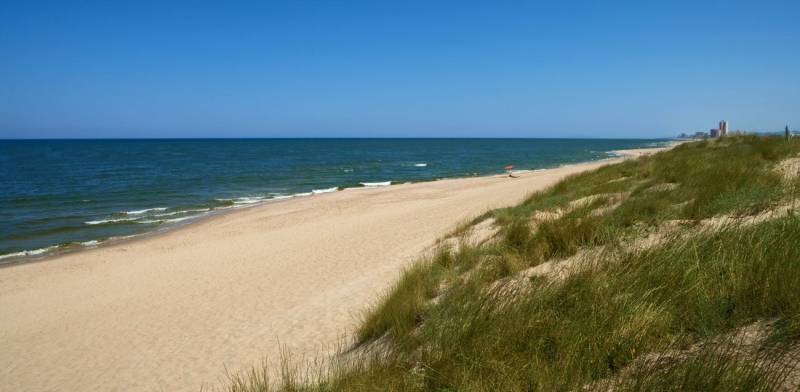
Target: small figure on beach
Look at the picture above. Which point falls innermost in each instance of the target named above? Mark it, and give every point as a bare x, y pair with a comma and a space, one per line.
509, 169
786, 131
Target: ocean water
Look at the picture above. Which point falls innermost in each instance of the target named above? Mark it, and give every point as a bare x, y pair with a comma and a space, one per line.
66, 194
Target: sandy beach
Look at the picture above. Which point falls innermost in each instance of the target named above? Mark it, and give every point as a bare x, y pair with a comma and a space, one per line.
173, 311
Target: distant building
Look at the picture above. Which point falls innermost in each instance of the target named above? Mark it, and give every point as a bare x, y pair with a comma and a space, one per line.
723, 128
700, 135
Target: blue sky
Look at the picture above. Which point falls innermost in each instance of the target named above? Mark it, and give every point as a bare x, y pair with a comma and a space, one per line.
405, 68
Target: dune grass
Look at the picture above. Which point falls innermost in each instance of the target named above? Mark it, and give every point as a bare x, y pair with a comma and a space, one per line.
469, 319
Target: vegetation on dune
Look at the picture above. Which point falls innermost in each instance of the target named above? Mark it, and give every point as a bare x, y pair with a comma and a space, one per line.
677, 271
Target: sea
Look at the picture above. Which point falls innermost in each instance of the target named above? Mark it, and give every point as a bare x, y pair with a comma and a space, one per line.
63, 195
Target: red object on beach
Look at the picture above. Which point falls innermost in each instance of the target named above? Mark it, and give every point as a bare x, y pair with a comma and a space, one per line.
509, 167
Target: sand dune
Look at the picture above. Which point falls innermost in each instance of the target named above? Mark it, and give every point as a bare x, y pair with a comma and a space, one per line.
171, 312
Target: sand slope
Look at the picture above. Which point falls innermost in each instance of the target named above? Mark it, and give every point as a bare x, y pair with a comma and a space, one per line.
170, 312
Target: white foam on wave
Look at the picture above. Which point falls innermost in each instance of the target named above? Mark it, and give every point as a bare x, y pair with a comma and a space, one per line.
303, 194
326, 190
183, 218
182, 212
374, 184
146, 210
16, 254
34, 252
420, 165
282, 197
41, 251
114, 220
248, 200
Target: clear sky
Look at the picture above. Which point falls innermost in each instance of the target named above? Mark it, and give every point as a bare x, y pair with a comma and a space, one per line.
403, 68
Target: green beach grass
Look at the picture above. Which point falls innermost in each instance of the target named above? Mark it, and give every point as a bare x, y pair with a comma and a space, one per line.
676, 271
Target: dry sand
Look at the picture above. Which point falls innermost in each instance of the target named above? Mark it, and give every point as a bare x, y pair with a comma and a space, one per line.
172, 311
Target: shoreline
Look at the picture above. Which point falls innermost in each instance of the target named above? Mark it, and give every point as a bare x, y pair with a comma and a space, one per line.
172, 311
58, 250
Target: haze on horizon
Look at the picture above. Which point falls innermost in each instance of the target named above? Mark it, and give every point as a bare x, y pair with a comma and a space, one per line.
403, 69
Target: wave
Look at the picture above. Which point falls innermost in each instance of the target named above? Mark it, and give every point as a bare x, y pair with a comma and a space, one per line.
326, 190
420, 165
303, 194
182, 212
374, 184
41, 251
173, 220
146, 210
240, 200
34, 252
114, 220
248, 200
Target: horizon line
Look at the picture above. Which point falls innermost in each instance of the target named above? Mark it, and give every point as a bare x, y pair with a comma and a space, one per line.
339, 138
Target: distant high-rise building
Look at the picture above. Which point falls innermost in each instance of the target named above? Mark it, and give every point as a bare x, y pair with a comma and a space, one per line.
714, 132
723, 128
